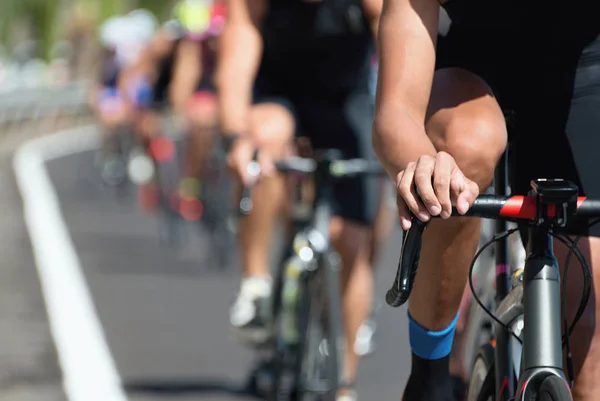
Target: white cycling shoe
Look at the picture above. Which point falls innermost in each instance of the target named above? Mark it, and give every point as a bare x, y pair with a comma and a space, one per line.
248, 316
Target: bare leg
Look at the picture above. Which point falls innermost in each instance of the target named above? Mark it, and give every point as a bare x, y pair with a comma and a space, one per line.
585, 340
352, 241
202, 115
272, 129
464, 120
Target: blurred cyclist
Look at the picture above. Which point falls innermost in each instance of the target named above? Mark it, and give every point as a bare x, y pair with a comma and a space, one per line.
122, 39
287, 66
179, 64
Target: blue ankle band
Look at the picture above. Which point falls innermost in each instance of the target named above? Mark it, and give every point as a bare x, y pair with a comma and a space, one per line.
429, 344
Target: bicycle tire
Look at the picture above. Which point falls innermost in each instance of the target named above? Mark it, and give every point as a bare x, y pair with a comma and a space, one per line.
166, 177
482, 383
320, 292
284, 358
554, 388
126, 144
218, 216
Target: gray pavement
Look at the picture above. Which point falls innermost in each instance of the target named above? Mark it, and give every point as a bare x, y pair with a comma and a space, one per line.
29, 369
165, 313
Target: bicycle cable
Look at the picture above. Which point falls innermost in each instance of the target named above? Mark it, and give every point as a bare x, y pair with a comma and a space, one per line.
494, 239
573, 249
586, 271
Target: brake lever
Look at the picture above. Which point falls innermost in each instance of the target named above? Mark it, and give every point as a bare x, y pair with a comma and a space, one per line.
408, 264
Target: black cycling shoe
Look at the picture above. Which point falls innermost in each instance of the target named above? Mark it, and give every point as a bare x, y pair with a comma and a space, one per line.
429, 381
459, 388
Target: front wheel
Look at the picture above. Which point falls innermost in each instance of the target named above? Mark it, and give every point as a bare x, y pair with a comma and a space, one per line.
482, 384
554, 388
320, 319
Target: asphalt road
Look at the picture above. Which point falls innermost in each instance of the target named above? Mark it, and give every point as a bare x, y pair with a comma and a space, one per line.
165, 313
29, 369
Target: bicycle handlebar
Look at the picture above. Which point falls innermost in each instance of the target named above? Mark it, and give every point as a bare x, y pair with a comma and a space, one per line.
337, 169
509, 208
334, 169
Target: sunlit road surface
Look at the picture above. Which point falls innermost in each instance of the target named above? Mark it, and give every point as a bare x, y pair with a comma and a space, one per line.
165, 312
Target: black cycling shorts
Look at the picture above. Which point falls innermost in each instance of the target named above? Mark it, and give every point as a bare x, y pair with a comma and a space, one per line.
547, 71
342, 122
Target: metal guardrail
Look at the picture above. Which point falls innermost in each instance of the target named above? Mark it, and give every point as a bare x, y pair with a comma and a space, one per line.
33, 112
18, 106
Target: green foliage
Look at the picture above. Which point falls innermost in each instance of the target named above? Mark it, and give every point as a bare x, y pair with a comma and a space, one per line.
48, 19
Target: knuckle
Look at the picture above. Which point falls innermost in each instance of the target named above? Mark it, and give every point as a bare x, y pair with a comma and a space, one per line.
440, 183
425, 160
404, 190
442, 155
422, 175
447, 158
429, 199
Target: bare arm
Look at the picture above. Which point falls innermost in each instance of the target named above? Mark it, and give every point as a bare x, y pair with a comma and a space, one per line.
186, 73
146, 64
240, 49
372, 10
407, 38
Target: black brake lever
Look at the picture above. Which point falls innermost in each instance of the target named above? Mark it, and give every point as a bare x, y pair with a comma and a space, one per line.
408, 265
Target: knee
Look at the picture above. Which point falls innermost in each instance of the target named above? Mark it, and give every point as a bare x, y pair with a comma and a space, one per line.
202, 109
352, 241
469, 125
476, 143
272, 128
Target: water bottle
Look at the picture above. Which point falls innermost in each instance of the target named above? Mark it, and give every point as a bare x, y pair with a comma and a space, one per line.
289, 328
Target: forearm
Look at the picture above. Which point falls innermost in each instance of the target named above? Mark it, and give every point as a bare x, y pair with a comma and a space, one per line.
407, 33
239, 58
399, 140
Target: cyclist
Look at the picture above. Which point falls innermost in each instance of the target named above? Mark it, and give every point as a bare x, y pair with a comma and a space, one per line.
179, 64
300, 66
440, 134
121, 39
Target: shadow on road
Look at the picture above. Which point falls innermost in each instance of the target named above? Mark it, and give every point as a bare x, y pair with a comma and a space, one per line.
179, 387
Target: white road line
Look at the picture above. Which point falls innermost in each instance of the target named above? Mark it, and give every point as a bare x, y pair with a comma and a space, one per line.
89, 371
